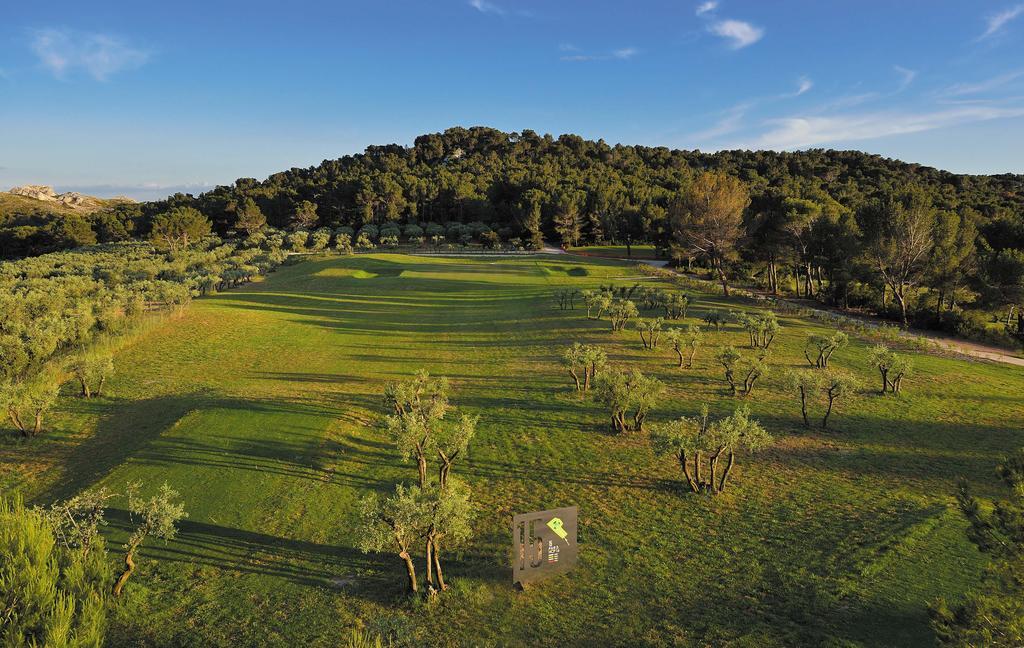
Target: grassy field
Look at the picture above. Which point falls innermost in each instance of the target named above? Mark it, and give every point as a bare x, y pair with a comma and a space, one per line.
262, 407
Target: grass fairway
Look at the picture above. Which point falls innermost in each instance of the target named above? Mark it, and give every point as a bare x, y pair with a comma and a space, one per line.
261, 406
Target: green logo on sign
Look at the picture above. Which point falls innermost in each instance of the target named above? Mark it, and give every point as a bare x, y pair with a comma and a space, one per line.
555, 524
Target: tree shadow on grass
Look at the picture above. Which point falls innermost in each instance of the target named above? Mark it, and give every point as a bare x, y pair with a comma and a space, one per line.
128, 428
249, 552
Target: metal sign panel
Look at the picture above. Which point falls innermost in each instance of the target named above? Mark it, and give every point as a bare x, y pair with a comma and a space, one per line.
543, 544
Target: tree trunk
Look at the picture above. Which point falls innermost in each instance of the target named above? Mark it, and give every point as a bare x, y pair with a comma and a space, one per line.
16, 419
38, 425
680, 354
129, 567
728, 470
410, 570
713, 464
85, 388
686, 472
885, 380
901, 300
722, 277
588, 373
579, 387
429, 581
803, 407
696, 470
828, 412
421, 463
437, 568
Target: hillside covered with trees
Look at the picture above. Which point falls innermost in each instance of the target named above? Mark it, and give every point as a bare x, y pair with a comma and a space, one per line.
847, 228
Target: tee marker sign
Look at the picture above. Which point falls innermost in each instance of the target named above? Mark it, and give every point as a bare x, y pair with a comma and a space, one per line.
543, 544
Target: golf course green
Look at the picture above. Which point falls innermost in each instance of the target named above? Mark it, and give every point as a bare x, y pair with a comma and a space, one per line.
262, 406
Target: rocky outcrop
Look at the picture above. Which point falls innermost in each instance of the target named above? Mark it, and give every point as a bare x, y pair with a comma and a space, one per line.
71, 199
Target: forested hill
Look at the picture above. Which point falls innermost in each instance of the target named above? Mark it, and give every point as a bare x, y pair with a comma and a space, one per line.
497, 178
846, 227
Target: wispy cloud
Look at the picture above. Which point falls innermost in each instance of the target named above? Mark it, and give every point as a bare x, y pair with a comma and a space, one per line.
997, 21
961, 89
907, 76
622, 54
486, 7
800, 132
803, 85
706, 7
739, 33
728, 123
99, 55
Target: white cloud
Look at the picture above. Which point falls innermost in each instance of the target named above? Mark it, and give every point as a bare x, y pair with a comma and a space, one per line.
623, 54
800, 132
907, 75
706, 7
486, 7
803, 85
997, 21
98, 55
740, 33
961, 89
731, 122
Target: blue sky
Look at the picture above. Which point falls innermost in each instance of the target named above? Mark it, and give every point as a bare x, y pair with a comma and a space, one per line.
148, 98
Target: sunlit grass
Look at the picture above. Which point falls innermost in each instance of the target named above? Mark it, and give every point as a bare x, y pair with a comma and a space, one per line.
261, 406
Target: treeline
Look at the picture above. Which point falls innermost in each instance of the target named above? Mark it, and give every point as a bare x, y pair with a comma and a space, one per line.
848, 228
58, 311
816, 223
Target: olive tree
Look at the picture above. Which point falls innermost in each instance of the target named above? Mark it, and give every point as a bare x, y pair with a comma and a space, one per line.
819, 348
587, 359
650, 331
91, 369
716, 318
566, 298
807, 384
828, 386
690, 439
742, 373
753, 369
51, 594
597, 302
891, 366
836, 386
621, 312
675, 305
418, 407
448, 513
158, 517
28, 401
624, 392
729, 358
686, 340
451, 441
761, 328
76, 522
396, 522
